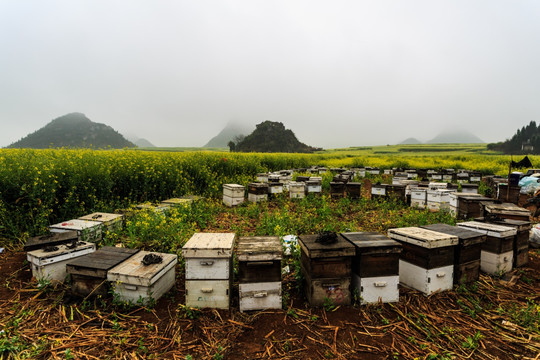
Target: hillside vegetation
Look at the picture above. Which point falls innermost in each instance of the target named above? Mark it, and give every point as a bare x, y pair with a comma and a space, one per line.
527, 135
73, 130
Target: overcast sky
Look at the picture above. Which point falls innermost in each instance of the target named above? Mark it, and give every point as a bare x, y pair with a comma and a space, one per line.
338, 73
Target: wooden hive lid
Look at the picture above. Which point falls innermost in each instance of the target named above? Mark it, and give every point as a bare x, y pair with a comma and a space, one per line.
488, 229
315, 250
63, 252
51, 239
519, 225
472, 237
101, 217
505, 208
372, 241
76, 224
423, 237
103, 259
177, 201
233, 186
259, 248
209, 245
133, 271
258, 185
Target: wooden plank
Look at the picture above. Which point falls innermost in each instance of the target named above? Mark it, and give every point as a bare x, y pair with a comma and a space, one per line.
259, 248
133, 271
422, 237
372, 242
208, 245
103, 259
466, 237
488, 229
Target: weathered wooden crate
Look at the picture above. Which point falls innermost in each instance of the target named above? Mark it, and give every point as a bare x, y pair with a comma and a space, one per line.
342, 251
427, 260
437, 185
504, 211
419, 198
111, 222
469, 188
323, 170
468, 205
257, 192
436, 176
521, 240
259, 259
275, 188
497, 250
89, 272
323, 290
208, 259
396, 191
467, 252
375, 267
508, 195
86, 230
260, 296
134, 282
354, 190
49, 263
50, 239
337, 189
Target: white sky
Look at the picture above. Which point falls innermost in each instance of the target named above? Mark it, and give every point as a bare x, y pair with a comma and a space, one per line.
338, 73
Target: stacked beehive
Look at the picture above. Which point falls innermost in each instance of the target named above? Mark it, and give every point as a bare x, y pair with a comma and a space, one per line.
297, 189
259, 272
110, 222
427, 260
86, 230
326, 266
497, 251
257, 192
375, 267
208, 259
233, 194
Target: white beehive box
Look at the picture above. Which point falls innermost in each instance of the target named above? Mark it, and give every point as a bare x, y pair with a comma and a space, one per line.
437, 185
262, 177
313, 186
427, 281
418, 198
233, 194
51, 265
377, 289
496, 264
86, 230
134, 282
260, 296
469, 188
388, 171
297, 190
275, 188
362, 172
111, 222
374, 171
378, 189
208, 258
158, 208
177, 202
257, 198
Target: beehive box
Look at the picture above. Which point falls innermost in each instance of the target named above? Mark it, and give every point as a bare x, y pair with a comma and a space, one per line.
134, 282
86, 230
427, 260
375, 267
313, 186
504, 211
497, 251
467, 252
326, 269
337, 189
89, 272
388, 172
475, 177
159, 208
436, 176
233, 194
49, 263
354, 190
437, 185
378, 190
302, 178
177, 202
521, 240
469, 188
506, 194
419, 198
259, 272
50, 239
468, 205
257, 192
297, 190
208, 259
275, 188
110, 222
396, 191
438, 199
262, 177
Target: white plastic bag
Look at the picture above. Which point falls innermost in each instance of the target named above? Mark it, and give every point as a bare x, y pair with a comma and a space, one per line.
534, 236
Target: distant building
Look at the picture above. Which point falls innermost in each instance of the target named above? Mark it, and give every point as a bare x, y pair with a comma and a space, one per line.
527, 146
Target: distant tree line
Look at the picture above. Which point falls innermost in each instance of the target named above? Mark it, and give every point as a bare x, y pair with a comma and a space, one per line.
525, 141
270, 136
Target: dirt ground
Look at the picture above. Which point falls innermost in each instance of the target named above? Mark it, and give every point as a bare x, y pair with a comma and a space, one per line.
497, 318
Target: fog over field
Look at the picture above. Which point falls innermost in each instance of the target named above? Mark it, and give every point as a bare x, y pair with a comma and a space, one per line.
338, 73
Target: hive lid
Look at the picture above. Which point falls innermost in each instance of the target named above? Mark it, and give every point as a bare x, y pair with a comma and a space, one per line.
259, 248
76, 224
232, 186
51, 239
423, 237
505, 209
101, 217
488, 229
370, 240
103, 259
209, 245
61, 252
133, 271
519, 225
314, 250
461, 233
177, 201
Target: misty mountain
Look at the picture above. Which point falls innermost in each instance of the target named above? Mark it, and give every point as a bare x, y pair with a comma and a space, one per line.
410, 141
73, 130
271, 136
455, 137
140, 142
229, 132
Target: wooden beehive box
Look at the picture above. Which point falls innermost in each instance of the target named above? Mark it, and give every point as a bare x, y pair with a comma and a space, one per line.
469, 188
86, 230
89, 272
134, 282
50, 239
302, 178
327, 269
49, 263
313, 185
177, 202
396, 191
111, 222
469, 207
337, 189
354, 190
275, 188
375, 267
262, 177
158, 208
233, 194
427, 260
378, 191
475, 177
467, 252
508, 194
297, 190
497, 251
504, 211
259, 272
521, 240
257, 192
208, 259
419, 198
